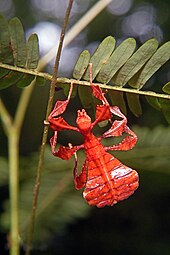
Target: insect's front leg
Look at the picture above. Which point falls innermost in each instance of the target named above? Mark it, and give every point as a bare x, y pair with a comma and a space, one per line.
60, 106
63, 152
56, 122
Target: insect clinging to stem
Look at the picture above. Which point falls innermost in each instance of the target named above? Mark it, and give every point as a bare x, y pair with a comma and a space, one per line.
105, 179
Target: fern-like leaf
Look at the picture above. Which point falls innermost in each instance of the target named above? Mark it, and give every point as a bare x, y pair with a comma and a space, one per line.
124, 67
14, 50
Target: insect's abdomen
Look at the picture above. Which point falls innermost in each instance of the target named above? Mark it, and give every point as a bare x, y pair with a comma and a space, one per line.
109, 181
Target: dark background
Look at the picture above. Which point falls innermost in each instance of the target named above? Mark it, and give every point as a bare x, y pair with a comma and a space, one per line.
139, 225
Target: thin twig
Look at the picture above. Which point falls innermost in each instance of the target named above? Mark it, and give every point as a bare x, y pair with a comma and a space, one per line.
44, 138
86, 83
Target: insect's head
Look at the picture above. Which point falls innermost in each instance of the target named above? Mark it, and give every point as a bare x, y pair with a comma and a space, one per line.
83, 120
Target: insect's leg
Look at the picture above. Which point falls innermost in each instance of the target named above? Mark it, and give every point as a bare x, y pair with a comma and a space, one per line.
63, 152
56, 122
118, 126
97, 92
127, 143
80, 180
60, 106
117, 129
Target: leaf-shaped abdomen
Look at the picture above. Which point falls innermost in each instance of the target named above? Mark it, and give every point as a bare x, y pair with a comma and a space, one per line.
109, 181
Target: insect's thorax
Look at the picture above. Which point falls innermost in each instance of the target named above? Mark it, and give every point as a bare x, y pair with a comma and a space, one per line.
93, 147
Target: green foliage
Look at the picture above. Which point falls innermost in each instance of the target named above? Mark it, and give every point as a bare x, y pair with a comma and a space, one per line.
125, 68
59, 203
14, 50
120, 65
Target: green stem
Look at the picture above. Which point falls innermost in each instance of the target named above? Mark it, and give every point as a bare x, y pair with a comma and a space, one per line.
12, 129
13, 141
62, 80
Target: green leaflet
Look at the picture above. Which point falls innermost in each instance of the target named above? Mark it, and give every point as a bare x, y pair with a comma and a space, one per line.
116, 98
25, 81
166, 88
81, 65
134, 64
161, 56
40, 81
100, 56
79, 70
165, 108
18, 42
3, 72
85, 94
116, 60
154, 102
134, 104
32, 52
10, 79
5, 50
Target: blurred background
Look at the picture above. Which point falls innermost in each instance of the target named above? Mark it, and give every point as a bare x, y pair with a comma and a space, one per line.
139, 225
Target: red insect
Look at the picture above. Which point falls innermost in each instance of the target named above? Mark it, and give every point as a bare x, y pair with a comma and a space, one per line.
106, 180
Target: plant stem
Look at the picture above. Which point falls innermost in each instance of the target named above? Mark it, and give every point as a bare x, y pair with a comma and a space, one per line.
12, 129
13, 141
45, 133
